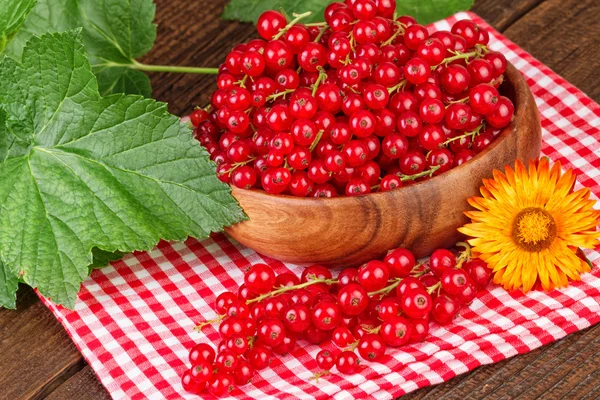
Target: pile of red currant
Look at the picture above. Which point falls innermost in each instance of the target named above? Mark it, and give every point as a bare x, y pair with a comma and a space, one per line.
355, 316
361, 102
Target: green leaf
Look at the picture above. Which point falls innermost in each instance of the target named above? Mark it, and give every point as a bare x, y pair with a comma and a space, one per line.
250, 10
9, 284
116, 173
115, 33
12, 16
430, 11
425, 11
103, 258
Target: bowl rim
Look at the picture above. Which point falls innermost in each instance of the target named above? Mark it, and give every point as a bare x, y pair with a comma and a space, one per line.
519, 101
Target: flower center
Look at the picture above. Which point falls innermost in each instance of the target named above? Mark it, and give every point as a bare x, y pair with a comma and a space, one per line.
534, 229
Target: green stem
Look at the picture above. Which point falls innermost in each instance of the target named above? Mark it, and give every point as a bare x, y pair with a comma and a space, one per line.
471, 134
398, 32
321, 33
387, 289
170, 68
428, 172
316, 141
288, 288
297, 17
322, 76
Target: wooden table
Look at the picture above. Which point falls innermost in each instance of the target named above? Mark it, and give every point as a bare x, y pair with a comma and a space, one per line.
37, 358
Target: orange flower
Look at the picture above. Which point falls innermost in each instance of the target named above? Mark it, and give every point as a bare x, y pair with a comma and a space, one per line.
529, 225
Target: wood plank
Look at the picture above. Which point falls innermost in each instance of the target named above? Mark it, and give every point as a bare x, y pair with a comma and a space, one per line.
37, 355
565, 35
83, 385
502, 14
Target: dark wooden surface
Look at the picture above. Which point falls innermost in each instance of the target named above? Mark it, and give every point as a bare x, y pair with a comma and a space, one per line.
37, 358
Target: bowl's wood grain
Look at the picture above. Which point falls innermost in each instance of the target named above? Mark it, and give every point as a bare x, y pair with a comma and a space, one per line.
348, 231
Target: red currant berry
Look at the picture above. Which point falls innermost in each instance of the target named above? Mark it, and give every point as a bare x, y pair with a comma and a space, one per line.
478, 271
484, 99
455, 79
400, 262
342, 337
347, 363
271, 331
260, 278
269, 23
259, 357
353, 299
325, 358
371, 347
468, 30
396, 331
389, 307
417, 71
503, 114
444, 309
202, 352
243, 373
373, 275
420, 329
416, 303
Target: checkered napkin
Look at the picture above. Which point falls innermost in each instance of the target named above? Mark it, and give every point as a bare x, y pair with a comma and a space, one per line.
134, 320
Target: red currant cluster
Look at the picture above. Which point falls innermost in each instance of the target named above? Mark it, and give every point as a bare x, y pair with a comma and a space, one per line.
382, 303
358, 103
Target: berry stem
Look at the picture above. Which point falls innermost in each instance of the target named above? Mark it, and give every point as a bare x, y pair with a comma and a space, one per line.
317, 375
316, 24
320, 79
288, 288
316, 141
297, 17
428, 172
433, 288
464, 255
399, 31
321, 33
280, 94
387, 289
210, 322
471, 134
164, 68
397, 87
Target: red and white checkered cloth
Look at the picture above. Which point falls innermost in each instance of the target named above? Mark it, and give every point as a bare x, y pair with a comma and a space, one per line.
134, 320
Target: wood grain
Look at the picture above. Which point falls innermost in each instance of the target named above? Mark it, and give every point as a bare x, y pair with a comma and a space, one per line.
421, 217
36, 354
190, 33
83, 385
565, 35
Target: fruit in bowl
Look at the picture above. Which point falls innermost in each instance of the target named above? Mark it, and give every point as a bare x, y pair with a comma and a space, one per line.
330, 134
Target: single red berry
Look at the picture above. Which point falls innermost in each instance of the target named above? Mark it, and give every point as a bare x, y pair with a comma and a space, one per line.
271, 331
479, 272
297, 318
326, 315
414, 35
347, 363
455, 78
287, 345
416, 303
220, 384
420, 329
202, 352
243, 373
325, 359
468, 30
353, 299
454, 281
484, 99
342, 337
371, 347
400, 262
440, 261
444, 310
390, 182
503, 114
389, 307
260, 278
259, 357
269, 23
373, 275
315, 335
417, 71
406, 284
396, 331
357, 187
226, 361
201, 372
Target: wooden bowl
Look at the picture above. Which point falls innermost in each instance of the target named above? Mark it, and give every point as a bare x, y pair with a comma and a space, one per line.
348, 231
